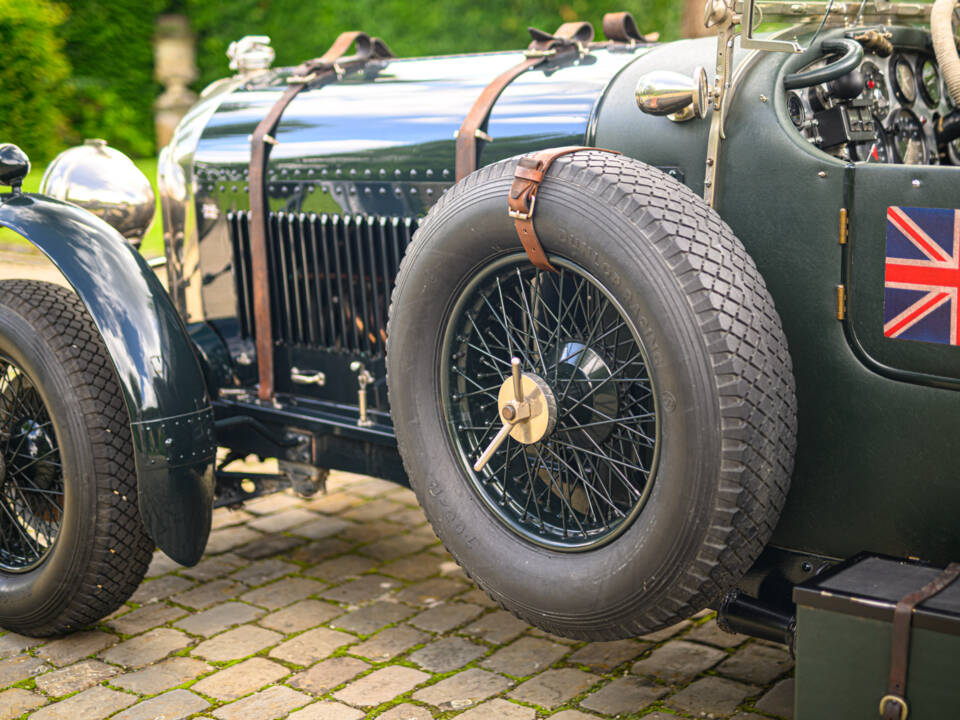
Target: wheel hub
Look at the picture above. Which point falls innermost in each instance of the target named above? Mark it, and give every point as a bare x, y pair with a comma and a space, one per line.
582, 375
541, 415
528, 408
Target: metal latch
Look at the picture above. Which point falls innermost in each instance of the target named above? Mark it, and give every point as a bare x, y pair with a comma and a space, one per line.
844, 226
251, 52
364, 378
308, 377
841, 302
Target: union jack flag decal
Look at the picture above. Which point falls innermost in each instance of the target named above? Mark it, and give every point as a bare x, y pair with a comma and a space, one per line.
922, 278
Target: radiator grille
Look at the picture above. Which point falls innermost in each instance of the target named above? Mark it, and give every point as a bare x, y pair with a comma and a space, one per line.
330, 277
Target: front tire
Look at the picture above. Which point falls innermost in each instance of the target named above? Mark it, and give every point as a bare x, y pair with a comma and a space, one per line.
72, 545
585, 533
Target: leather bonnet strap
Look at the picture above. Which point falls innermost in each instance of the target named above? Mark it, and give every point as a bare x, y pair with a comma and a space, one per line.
530, 173
621, 27
569, 38
332, 62
893, 705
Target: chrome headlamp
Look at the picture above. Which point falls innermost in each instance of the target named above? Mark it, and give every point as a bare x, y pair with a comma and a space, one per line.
104, 181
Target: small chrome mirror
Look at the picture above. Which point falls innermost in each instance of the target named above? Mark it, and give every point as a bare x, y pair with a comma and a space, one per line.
681, 98
14, 166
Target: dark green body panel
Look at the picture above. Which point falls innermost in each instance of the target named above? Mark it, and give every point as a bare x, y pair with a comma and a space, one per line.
843, 666
874, 189
877, 459
170, 413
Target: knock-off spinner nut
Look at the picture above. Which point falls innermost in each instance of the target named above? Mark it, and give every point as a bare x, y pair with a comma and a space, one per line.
528, 410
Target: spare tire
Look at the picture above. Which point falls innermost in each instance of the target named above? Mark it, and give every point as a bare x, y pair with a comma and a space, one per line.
669, 453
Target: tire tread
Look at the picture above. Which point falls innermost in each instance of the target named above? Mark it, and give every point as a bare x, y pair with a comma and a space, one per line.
121, 550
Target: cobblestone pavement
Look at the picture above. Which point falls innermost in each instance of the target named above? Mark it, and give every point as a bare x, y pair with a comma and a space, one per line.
346, 606
27, 265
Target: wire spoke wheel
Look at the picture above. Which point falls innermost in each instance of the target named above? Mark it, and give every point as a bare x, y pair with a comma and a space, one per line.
31, 475
605, 449
585, 482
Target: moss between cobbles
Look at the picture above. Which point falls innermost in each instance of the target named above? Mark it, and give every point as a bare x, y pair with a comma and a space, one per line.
29, 683
402, 661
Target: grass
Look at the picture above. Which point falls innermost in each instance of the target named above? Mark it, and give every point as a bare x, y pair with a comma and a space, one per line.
152, 243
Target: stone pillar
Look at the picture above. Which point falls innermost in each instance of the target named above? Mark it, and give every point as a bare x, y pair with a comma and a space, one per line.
175, 67
692, 25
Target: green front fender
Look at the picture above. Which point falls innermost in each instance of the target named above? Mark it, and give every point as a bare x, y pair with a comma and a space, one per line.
170, 415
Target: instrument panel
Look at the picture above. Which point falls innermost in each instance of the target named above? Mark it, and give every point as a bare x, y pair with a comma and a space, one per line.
892, 119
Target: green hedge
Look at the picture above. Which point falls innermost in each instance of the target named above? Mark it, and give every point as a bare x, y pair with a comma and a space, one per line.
109, 44
301, 30
32, 75
77, 71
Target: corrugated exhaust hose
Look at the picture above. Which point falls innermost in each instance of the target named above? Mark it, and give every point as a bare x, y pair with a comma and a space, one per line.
945, 45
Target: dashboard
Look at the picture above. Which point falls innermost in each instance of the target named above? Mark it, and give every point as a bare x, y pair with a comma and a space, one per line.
885, 111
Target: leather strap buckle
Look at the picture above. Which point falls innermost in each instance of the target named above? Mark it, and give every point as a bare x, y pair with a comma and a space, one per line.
518, 215
530, 53
478, 134
904, 710
302, 79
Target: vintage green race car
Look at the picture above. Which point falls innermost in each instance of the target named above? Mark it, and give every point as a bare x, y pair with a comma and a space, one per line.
689, 369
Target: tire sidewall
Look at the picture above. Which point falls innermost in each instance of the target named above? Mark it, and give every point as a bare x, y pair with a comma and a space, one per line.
40, 592
662, 542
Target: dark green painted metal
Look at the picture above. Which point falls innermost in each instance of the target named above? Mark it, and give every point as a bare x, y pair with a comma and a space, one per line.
218, 368
843, 665
876, 465
170, 413
656, 140
876, 188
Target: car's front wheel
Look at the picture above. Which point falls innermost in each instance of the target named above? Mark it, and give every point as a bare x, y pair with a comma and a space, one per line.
72, 545
649, 466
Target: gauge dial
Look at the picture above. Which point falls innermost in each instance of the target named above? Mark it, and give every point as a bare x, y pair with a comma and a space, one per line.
930, 82
876, 150
908, 141
795, 107
875, 89
904, 81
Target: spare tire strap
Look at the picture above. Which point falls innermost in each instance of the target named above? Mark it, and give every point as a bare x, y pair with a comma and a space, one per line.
569, 39
330, 63
530, 173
